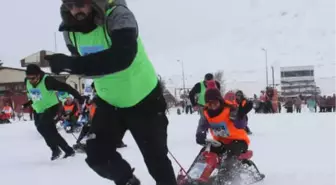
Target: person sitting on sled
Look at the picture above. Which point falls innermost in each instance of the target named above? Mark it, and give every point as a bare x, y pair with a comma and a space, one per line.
70, 114
230, 133
7, 112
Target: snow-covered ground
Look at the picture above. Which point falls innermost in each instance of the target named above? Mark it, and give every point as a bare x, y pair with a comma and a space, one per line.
291, 149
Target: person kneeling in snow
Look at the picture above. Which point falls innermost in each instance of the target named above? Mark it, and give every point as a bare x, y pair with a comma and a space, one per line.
217, 118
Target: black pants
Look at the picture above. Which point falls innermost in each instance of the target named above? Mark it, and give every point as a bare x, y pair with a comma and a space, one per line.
85, 130
150, 133
189, 109
298, 110
46, 126
234, 149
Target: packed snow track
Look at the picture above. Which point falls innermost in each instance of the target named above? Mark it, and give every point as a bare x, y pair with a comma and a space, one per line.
291, 149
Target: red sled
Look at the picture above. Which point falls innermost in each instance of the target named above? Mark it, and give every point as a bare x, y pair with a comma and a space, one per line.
203, 169
4, 118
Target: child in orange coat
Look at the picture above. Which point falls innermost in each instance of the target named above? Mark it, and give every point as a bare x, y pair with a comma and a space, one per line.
218, 119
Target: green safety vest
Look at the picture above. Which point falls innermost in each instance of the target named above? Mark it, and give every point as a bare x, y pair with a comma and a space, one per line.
201, 95
41, 97
121, 89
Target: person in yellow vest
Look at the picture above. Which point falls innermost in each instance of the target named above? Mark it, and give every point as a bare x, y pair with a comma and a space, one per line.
199, 90
41, 90
103, 38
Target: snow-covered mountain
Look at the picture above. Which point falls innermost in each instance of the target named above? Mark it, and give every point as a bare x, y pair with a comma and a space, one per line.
207, 36
228, 35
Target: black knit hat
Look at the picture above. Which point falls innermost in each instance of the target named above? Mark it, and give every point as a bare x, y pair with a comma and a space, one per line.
212, 94
33, 69
208, 76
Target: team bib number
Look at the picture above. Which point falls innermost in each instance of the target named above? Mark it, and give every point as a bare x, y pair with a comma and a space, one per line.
85, 50
35, 94
220, 130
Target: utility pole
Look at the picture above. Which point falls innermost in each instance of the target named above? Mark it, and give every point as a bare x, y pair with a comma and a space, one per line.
55, 42
183, 79
273, 77
266, 66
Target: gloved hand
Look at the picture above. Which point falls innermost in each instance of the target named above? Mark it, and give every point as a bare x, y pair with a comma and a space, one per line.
60, 63
200, 138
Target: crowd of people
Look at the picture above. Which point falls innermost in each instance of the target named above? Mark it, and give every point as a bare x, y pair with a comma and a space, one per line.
128, 96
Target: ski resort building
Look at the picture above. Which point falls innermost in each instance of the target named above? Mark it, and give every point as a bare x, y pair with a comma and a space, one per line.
298, 80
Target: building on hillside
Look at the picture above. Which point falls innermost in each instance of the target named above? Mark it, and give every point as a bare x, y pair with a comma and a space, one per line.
298, 80
36, 58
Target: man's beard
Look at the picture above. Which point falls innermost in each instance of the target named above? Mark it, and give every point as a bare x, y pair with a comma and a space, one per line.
80, 16
84, 23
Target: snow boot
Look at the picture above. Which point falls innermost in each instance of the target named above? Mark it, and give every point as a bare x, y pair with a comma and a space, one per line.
55, 154
68, 154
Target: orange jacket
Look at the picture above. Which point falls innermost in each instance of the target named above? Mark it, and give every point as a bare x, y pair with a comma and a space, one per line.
8, 111
70, 108
223, 123
92, 111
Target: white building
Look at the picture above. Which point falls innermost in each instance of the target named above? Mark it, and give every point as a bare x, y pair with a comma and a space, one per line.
298, 80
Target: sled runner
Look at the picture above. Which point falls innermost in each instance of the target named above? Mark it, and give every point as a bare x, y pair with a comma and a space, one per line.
210, 169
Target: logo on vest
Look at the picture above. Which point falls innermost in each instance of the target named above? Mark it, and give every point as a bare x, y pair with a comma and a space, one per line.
35, 94
220, 129
85, 50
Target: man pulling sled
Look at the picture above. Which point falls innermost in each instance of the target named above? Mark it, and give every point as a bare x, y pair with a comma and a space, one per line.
225, 159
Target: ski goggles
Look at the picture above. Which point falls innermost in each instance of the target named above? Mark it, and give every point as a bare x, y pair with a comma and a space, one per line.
70, 4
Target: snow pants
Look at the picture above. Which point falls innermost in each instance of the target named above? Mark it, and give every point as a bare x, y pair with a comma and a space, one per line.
148, 129
45, 124
189, 109
235, 148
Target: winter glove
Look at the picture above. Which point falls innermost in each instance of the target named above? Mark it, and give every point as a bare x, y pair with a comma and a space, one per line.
59, 63
200, 138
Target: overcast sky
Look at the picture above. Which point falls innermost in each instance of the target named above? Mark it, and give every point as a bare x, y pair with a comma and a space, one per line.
207, 36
